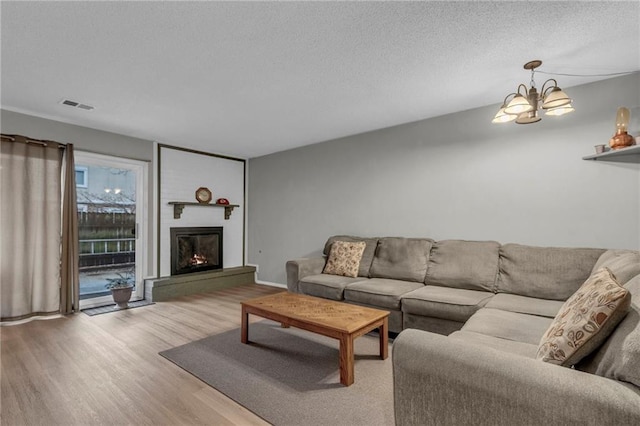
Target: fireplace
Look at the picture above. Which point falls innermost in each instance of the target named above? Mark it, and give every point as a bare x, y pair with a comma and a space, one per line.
196, 249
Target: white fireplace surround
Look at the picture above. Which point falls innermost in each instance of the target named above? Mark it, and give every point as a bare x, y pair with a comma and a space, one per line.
181, 174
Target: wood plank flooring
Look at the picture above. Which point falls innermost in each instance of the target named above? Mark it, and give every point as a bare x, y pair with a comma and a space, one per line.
105, 369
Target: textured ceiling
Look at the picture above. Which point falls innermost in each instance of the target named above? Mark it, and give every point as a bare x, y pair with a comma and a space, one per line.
248, 79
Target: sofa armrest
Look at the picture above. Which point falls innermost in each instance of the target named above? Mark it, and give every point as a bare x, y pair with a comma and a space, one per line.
442, 381
300, 268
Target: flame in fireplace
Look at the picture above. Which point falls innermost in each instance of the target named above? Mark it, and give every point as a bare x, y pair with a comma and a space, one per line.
198, 259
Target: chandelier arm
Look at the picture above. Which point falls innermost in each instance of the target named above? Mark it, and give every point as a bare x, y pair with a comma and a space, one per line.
504, 103
526, 90
543, 91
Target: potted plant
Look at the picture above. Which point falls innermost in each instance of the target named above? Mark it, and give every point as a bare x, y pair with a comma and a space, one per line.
121, 288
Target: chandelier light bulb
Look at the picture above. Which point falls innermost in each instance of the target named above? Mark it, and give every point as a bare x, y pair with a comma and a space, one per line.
503, 117
518, 105
556, 98
528, 117
558, 111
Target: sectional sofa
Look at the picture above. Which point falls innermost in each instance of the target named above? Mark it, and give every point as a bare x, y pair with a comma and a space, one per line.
473, 314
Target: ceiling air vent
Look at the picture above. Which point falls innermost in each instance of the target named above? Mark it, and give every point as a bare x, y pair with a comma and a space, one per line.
75, 104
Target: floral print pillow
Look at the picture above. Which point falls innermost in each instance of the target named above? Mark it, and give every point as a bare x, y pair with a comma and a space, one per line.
585, 320
344, 258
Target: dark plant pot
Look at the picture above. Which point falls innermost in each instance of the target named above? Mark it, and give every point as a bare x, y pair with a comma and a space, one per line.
121, 296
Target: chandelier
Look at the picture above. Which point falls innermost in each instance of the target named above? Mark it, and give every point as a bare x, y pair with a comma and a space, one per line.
523, 106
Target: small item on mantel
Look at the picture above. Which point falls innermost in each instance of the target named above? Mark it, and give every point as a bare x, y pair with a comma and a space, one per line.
622, 139
203, 195
222, 201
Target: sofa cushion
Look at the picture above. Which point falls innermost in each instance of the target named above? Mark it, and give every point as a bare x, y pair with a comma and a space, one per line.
344, 258
453, 304
504, 345
434, 325
619, 357
470, 265
625, 264
508, 325
585, 320
401, 259
544, 272
367, 255
384, 293
326, 286
525, 305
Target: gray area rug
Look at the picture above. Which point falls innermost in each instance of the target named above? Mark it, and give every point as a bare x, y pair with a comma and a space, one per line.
291, 377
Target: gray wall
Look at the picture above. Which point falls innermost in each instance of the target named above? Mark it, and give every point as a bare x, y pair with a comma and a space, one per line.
456, 176
86, 139
83, 138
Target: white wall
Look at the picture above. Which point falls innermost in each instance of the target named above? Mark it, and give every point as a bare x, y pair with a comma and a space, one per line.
456, 176
182, 172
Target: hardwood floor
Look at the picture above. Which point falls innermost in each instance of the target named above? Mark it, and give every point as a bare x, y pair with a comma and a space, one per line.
105, 369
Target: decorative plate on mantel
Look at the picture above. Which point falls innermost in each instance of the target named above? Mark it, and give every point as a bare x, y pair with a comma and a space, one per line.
203, 195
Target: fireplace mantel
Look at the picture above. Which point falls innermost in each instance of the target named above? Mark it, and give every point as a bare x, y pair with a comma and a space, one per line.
178, 206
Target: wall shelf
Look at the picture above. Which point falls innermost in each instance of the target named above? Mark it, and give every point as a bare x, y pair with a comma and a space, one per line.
630, 154
178, 206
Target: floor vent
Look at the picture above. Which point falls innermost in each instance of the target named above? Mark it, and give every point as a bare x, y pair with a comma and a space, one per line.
75, 104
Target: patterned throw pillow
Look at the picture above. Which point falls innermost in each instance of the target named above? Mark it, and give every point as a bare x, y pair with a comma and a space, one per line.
585, 320
344, 258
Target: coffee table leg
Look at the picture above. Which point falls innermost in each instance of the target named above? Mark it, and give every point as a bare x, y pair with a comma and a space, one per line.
384, 339
346, 360
244, 337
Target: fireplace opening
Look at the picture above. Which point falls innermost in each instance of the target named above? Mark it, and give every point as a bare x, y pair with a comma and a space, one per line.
196, 249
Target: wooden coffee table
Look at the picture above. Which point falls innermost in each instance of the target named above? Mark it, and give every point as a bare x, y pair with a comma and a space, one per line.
339, 320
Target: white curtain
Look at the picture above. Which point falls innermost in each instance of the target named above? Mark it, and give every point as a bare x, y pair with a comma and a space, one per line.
30, 228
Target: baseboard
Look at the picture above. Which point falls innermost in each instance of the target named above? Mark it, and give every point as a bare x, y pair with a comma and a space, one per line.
269, 283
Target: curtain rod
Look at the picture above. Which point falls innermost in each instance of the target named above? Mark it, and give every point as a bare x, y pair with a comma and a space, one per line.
24, 139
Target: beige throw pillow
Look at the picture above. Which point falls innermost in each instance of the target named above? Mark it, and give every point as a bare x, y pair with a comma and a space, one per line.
344, 258
619, 356
585, 320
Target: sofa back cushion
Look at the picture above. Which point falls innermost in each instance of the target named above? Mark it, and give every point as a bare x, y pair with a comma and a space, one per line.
625, 264
401, 258
367, 255
545, 272
619, 357
471, 265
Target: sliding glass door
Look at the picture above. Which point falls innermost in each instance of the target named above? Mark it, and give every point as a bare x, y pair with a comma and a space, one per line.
111, 194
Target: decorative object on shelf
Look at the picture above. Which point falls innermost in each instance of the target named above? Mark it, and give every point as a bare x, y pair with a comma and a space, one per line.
622, 139
523, 107
222, 201
203, 195
630, 154
600, 149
